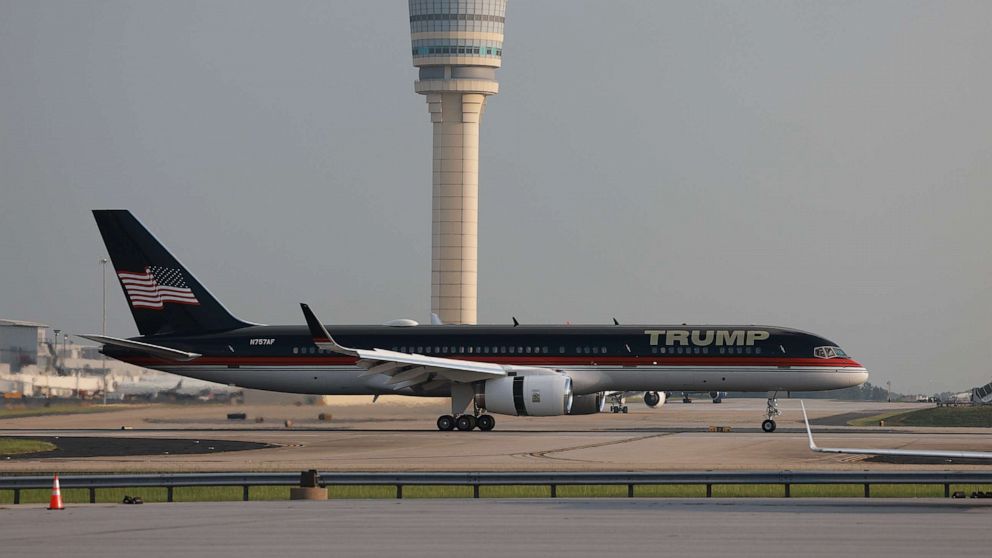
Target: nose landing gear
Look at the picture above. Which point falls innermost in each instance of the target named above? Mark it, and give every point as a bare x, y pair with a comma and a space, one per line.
768, 425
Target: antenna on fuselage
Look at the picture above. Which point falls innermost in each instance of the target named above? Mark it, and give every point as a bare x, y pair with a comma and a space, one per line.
515, 322
615, 322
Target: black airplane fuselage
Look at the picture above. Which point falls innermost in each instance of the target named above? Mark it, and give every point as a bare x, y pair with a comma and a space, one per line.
599, 358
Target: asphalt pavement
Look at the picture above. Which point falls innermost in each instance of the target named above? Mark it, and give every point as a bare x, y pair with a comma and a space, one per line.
480, 528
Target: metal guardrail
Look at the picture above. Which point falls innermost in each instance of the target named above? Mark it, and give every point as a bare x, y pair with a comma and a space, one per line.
480, 479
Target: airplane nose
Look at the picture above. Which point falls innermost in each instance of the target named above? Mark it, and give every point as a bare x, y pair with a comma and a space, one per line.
862, 376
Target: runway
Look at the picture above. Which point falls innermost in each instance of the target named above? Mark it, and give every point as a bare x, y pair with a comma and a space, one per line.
388, 436
498, 528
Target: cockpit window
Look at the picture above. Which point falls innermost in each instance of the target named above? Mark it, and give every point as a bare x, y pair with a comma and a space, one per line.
829, 352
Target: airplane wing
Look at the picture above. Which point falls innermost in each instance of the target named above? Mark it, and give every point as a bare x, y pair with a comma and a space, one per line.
154, 350
407, 369
905, 453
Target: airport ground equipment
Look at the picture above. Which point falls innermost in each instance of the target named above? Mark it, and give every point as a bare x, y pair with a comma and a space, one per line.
476, 480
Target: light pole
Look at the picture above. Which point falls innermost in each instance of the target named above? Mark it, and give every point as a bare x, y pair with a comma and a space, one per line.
56, 359
103, 327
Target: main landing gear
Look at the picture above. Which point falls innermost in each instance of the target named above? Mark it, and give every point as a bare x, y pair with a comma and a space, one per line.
462, 396
485, 423
770, 413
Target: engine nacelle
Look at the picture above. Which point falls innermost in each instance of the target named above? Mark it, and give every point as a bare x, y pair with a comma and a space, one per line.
539, 395
654, 398
588, 404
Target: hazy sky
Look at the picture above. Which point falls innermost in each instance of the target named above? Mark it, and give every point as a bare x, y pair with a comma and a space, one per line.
819, 165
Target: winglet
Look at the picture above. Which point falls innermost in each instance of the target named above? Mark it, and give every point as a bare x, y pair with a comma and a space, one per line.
809, 432
321, 337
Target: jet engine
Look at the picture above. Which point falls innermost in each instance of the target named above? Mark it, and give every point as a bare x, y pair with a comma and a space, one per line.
654, 398
588, 404
539, 395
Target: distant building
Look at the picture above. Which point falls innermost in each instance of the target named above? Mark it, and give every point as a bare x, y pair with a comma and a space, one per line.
34, 362
19, 342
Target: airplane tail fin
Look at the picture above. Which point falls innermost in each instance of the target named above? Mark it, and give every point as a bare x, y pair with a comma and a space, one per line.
164, 297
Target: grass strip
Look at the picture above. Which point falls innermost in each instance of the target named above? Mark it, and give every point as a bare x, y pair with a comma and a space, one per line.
17, 446
965, 416
19, 412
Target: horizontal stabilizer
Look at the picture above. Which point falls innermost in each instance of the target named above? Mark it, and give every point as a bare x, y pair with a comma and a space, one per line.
154, 350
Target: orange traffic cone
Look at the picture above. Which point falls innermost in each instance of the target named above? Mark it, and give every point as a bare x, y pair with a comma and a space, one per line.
56, 501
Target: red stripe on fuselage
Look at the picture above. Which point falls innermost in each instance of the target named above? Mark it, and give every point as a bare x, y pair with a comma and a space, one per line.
549, 361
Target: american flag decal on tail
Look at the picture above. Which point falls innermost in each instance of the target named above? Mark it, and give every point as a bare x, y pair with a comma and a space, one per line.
156, 286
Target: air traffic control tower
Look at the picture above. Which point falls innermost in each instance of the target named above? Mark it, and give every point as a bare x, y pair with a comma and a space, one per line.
457, 45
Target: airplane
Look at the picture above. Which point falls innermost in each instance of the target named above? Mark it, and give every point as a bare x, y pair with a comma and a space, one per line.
895, 452
517, 370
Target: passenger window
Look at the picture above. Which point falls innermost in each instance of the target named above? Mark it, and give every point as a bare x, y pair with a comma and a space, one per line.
296, 350
561, 349
511, 350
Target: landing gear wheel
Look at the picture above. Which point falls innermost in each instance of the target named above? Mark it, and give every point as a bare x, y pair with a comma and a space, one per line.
465, 423
623, 409
445, 423
768, 425
485, 422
